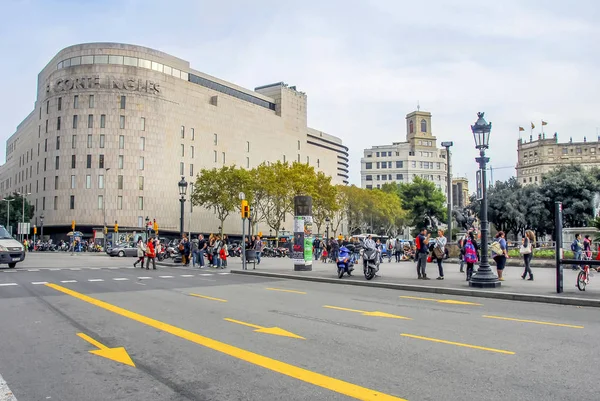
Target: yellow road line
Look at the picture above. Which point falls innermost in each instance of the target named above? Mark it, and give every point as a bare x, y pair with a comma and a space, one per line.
441, 301
211, 298
418, 298
317, 379
254, 326
92, 341
534, 321
346, 309
282, 290
436, 340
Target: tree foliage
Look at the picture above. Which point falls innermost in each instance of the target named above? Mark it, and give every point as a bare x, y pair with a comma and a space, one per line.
16, 211
422, 199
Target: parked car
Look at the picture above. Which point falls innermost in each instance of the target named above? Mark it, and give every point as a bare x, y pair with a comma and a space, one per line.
123, 249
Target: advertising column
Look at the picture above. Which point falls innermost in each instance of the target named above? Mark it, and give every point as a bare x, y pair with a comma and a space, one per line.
302, 247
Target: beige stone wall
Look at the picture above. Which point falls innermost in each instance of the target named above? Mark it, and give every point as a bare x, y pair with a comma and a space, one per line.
238, 124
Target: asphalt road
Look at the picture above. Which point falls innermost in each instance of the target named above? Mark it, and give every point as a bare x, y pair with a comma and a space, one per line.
253, 338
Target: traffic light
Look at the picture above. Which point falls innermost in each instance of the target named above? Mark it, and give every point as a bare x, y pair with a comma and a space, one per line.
105, 230
34, 230
245, 209
73, 225
116, 227
155, 226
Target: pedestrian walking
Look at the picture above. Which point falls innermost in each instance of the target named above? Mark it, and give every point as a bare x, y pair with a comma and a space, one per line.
335, 249
389, 248
217, 246
527, 252
201, 249
141, 252
471, 252
398, 250
317, 248
461, 253
258, 247
439, 252
150, 254
577, 248
187, 250
422, 250
223, 256
499, 253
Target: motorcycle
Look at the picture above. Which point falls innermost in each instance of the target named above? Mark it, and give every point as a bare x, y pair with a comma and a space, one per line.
344, 262
370, 262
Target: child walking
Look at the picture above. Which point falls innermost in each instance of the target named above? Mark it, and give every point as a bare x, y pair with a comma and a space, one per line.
223, 257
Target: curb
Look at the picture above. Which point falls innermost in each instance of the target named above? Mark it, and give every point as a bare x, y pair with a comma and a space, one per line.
436, 290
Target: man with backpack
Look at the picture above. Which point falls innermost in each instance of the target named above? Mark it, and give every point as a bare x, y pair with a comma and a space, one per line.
422, 245
577, 248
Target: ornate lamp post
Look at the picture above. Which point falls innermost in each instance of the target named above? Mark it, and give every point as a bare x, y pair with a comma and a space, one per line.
447, 145
182, 190
483, 278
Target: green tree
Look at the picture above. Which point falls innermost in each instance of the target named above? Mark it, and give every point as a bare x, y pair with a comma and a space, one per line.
16, 211
325, 203
218, 190
504, 206
422, 199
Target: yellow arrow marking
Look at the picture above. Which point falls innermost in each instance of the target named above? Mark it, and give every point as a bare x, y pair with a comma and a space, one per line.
441, 301
436, 340
117, 354
282, 290
317, 379
534, 321
367, 313
211, 298
276, 331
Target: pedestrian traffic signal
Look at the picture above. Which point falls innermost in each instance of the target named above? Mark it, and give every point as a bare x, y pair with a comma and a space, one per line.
245, 209
72, 224
116, 228
155, 226
105, 230
34, 230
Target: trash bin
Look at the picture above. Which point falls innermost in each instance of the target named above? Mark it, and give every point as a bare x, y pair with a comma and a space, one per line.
250, 256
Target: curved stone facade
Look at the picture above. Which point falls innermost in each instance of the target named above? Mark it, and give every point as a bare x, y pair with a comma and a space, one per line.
115, 127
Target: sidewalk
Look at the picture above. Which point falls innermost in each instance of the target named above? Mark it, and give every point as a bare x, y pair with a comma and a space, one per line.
403, 276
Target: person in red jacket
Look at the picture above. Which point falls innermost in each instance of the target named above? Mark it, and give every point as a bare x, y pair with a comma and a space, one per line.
150, 254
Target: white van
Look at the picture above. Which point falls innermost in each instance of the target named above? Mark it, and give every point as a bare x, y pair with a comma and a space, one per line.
11, 251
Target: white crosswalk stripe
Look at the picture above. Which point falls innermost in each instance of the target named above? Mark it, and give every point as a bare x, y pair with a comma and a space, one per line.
120, 279
205, 274
224, 273
187, 275
33, 270
144, 278
93, 280
39, 282
74, 268
7, 284
165, 276
69, 281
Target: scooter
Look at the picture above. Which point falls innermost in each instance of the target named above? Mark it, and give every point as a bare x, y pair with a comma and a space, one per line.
370, 262
344, 262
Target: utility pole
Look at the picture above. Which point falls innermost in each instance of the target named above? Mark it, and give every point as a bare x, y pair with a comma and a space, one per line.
447, 145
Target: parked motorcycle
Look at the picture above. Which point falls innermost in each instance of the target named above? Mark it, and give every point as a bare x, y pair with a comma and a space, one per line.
370, 262
344, 262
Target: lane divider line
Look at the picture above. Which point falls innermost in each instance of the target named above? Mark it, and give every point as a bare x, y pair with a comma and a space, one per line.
165, 276
144, 278
282, 290
437, 340
534, 322
207, 297
7, 284
186, 275
314, 378
69, 281
94, 280
120, 279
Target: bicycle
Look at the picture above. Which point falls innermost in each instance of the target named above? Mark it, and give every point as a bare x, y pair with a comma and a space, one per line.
583, 278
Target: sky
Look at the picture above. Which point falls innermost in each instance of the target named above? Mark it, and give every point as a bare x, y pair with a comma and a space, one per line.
363, 64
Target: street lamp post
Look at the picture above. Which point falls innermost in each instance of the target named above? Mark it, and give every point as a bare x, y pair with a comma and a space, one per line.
104, 230
447, 145
8, 213
182, 190
327, 220
42, 227
23, 213
191, 210
483, 278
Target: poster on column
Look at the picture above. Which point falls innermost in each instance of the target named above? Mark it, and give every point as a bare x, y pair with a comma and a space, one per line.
298, 245
308, 240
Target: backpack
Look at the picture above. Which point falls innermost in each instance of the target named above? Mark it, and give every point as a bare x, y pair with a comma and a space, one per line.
496, 248
574, 246
418, 243
470, 253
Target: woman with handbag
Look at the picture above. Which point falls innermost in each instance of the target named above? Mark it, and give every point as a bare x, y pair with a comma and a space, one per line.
527, 251
499, 253
439, 251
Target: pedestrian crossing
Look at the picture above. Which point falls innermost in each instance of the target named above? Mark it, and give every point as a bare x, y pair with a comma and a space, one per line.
55, 269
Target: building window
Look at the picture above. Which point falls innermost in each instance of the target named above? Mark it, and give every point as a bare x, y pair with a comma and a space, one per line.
122, 122
182, 150
101, 161
73, 160
182, 132
215, 154
399, 164
120, 182
101, 141
123, 100
378, 164
140, 203
75, 121
46, 126
369, 186
191, 170
376, 154
298, 145
73, 181
368, 166
121, 141
423, 125
88, 181
369, 178
223, 157
120, 162
100, 182
141, 163
307, 160
284, 159
72, 202
143, 145
44, 203
76, 101
247, 162
57, 162
100, 202
91, 103
143, 123
181, 168
141, 183
88, 162
119, 202
59, 104
90, 121
46, 145
58, 123
192, 152
47, 106
414, 164
298, 157
399, 177
44, 184
102, 120
55, 206
193, 133
215, 139
248, 146
411, 127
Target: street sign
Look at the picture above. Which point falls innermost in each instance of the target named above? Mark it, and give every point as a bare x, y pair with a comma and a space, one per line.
479, 184
24, 228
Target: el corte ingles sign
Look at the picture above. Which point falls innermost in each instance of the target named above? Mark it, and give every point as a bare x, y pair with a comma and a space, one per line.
109, 82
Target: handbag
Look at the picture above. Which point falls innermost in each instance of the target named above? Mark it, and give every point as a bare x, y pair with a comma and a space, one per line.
525, 250
439, 253
429, 259
496, 248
